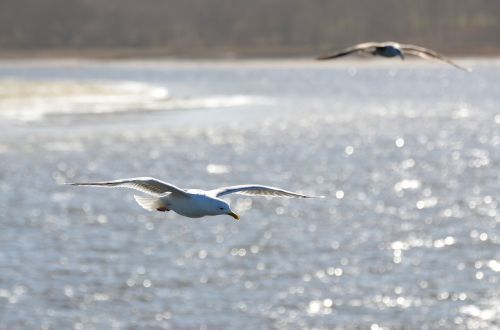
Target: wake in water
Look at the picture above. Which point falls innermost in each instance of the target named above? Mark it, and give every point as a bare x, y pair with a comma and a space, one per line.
33, 101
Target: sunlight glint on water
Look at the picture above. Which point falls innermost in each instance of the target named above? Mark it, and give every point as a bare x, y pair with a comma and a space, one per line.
407, 155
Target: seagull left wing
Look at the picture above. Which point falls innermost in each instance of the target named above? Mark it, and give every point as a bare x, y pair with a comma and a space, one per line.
430, 54
146, 185
257, 190
364, 47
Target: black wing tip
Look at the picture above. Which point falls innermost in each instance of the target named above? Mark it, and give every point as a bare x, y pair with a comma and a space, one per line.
458, 66
326, 57
307, 196
76, 184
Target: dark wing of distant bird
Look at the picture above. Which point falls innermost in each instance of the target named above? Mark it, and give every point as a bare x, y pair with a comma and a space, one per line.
430, 54
366, 46
146, 185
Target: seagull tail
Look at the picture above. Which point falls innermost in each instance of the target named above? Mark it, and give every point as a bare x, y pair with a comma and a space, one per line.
150, 203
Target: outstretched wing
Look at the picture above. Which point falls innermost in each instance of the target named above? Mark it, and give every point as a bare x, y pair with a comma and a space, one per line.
430, 54
146, 185
366, 46
256, 190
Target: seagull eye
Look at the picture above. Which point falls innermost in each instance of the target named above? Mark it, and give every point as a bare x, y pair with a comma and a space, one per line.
221, 208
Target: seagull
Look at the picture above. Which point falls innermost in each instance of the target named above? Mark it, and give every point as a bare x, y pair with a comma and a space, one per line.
393, 49
192, 203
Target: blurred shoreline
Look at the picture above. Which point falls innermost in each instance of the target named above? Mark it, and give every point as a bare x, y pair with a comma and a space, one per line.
212, 54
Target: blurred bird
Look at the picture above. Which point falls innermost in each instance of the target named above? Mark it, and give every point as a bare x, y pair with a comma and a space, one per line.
392, 49
192, 203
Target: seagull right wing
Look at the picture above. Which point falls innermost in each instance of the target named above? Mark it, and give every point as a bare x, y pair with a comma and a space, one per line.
430, 54
146, 185
363, 47
257, 190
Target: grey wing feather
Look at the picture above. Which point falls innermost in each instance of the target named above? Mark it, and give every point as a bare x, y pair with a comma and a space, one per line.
257, 190
430, 54
366, 46
146, 185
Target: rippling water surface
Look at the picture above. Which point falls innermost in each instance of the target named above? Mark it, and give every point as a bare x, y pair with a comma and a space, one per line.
408, 155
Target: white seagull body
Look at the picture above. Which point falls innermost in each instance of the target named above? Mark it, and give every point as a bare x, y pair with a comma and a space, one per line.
392, 49
192, 203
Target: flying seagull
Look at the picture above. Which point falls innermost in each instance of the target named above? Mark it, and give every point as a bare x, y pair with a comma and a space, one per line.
393, 49
192, 203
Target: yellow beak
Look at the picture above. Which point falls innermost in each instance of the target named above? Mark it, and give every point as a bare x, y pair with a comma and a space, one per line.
234, 215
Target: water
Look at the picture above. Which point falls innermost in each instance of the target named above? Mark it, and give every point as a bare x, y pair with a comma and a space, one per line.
407, 153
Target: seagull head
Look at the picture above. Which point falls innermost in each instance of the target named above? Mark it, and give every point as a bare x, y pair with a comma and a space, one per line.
222, 207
